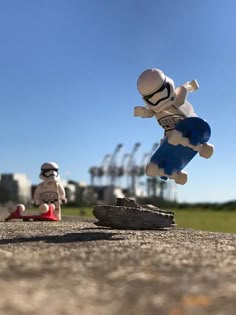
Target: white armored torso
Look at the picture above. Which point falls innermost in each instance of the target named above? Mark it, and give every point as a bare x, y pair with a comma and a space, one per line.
49, 192
170, 117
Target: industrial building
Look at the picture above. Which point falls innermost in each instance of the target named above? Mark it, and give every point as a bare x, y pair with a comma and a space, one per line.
15, 187
128, 177
116, 177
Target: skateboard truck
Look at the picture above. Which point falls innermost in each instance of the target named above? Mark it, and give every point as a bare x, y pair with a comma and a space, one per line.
152, 170
205, 149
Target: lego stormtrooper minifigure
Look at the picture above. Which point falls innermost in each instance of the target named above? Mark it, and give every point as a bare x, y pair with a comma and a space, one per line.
168, 104
50, 191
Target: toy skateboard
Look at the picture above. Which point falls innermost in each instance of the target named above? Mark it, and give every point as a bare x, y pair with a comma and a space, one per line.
178, 149
48, 215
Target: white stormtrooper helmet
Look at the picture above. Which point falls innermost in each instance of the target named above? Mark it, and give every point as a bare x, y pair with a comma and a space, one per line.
49, 171
157, 89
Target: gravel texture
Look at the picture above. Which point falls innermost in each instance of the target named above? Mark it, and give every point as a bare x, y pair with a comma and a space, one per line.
73, 267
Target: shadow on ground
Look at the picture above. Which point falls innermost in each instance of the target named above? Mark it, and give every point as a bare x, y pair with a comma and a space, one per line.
66, 238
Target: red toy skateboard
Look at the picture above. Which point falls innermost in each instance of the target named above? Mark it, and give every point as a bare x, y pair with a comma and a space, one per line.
48, 215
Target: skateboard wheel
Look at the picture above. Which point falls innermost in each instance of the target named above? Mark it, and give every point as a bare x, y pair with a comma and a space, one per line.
181, 178
43, 208
153, 170
206, 150
175, 138
21, 208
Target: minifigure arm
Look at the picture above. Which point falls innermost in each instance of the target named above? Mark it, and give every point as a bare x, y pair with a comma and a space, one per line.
182, 91
61, 193
180, 95
36, 195
143, 112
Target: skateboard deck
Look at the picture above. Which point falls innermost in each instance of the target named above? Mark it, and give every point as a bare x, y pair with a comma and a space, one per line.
174, 158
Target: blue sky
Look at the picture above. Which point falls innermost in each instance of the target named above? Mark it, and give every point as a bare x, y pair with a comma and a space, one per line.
68, 73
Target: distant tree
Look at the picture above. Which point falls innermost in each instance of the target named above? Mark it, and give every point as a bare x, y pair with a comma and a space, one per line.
4, 194
89, 196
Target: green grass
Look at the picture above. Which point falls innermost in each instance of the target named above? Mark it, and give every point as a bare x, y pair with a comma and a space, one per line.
200, 218
206, 219
81, 211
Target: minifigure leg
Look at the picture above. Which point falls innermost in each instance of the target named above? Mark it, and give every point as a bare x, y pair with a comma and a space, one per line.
57, 210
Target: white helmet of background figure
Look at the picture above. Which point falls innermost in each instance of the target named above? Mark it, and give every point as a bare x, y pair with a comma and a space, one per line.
157, 90
49, 171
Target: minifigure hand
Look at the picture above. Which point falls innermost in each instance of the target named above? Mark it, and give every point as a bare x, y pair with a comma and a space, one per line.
36, 202
64, 201
191, 86
194, 85
138, 111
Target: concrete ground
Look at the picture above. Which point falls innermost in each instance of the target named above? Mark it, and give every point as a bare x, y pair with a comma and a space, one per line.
73, 267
